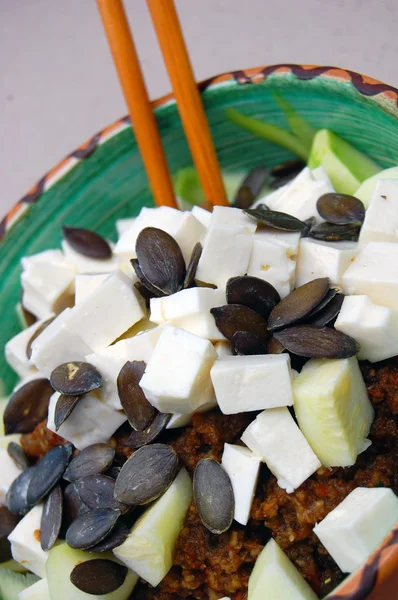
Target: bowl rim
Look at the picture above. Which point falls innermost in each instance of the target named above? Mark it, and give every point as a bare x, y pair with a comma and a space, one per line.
384, 560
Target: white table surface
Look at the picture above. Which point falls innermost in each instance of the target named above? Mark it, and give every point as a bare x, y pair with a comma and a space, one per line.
58, 85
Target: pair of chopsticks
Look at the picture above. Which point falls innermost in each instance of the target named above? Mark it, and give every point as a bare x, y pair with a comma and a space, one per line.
175, 54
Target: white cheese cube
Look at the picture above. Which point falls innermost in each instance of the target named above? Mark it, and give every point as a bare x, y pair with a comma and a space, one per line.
122, 225
190, 232
92, 421
165, 218
37, 591
15, 350
243, 468
48, 283
270, 262
275, 437
190, 310
202, 215
223, 349
374, 273
177, 378
271, 198
381, 218
300, 198
354, 529
87, 283
179, 420
86, 264
226, 216
58, 344
104, 316
8, 472
320, 174
226, 253
324, 259
374, 327
25, 542
245, 383
110, 361
274, 577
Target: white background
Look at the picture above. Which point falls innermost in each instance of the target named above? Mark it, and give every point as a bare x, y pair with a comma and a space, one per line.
58, 86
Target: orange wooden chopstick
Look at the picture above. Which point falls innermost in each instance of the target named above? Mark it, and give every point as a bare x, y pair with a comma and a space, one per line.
175, 54
142, 118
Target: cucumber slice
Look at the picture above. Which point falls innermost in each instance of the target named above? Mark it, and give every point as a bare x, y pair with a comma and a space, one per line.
149, 548
346, 166
274, 577
37, 591
189, 189
13, 565
333, 409
299, 126
11, 584
60, 563
365, 190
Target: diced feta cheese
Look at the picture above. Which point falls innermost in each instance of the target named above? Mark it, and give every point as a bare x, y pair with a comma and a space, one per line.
25, 542
110, 361
122, 225
86, 284
354, 529
58, 344
177, 378
271, 198
37, 591
8, 472
375, 274
102, 317
86, 264
226, 253
274, 258
274, 577
190, 310
92, 421
223, 349
374, 327
190, 232
243, 468
48, 283
202, 215
15, 350
275, 437
324, 259
245, 383
179, 420
226, 216
381, 218
320, 174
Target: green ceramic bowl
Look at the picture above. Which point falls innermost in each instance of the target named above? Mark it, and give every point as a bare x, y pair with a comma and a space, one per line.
104, 180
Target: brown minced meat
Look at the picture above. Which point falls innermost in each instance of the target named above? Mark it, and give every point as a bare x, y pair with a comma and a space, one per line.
208, 566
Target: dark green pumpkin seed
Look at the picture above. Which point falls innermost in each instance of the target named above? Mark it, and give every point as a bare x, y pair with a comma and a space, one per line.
15, 451
98, 576
75, 378
86, 242
341, 209
328, 232
146, 475
309, 224
91, 528
276, 220
73, 504
97, 491
236, 317
27, 407
251, 187
327, 298
150, 289
17, 495
317, 342
288, 168
8, 522
192, 266
138, 439
145, 293
139, 411
160, 260
51, 519
114, 539
275, 347
213, 495
299, 303
246, 344
48, 472
64, 408
257, 294
328, 313
36, 334
92, 460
